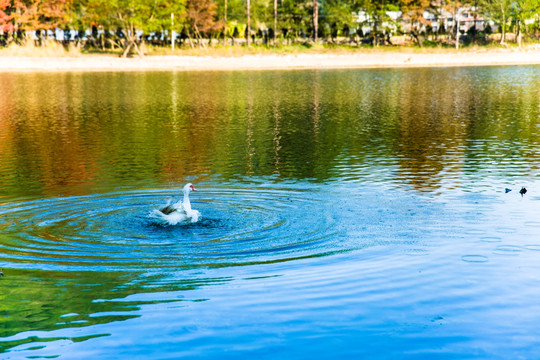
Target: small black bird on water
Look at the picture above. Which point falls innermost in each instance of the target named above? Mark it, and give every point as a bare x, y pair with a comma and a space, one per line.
522, 191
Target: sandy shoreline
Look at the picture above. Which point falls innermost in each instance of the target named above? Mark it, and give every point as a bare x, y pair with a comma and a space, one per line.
481, 57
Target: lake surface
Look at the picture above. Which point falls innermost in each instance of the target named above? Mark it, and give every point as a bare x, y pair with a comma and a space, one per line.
345, 214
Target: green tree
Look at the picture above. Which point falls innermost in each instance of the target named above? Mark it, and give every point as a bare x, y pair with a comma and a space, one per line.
296, 18
338, 15
234, 16
377, 14
132, 18
523, 10
499, 11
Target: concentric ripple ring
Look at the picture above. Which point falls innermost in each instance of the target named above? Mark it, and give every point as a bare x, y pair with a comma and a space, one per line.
114, 232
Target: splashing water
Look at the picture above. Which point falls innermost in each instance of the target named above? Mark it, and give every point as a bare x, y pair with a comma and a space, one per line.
175, 216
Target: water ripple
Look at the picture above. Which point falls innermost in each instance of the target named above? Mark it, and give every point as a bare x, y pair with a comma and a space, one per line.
113, 231
474, 258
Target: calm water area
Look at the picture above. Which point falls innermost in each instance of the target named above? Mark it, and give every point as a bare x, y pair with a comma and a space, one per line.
345, 214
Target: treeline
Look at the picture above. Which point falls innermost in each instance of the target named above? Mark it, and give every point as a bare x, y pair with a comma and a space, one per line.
127, 24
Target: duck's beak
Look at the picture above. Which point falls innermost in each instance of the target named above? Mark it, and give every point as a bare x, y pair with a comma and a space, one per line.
193, 189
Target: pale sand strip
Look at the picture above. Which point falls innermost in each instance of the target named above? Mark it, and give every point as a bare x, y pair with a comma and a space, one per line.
268, 62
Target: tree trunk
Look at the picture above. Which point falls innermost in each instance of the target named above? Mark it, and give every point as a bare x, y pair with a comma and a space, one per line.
275, 22
199, 37
503, 27
248, 30
457, 33
190, 39
475, 22
518, 37
126, 50
225, 28
417, 37
131, 41
315, 20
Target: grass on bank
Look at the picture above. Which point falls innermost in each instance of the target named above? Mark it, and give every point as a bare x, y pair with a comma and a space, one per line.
49, 49
55, 49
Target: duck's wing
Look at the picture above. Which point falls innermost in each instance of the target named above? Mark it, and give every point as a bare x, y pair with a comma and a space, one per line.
167, 209
170, 207
163, 219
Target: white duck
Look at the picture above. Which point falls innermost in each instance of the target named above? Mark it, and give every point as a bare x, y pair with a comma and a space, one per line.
179, 212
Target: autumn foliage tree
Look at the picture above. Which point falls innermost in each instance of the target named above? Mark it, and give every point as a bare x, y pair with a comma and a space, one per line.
41, 14
26, 15
6, 16
413, 13
201, 18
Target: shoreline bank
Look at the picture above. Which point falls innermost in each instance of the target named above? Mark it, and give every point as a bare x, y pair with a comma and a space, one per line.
372, 59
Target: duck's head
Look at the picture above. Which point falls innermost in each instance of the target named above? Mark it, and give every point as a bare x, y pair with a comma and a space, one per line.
189, 188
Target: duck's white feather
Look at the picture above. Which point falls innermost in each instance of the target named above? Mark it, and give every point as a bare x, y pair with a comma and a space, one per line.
176, 213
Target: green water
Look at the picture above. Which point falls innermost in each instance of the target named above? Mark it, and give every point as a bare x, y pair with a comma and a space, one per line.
74, 133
